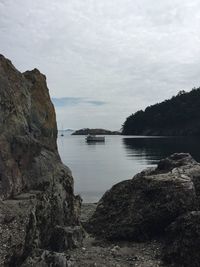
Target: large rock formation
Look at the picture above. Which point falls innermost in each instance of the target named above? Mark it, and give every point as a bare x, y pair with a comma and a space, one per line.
36, 189
141, 208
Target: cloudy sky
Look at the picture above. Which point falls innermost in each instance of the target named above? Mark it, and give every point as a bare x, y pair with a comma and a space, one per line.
104, 59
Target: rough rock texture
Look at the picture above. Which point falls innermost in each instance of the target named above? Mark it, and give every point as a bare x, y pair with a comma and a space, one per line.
183, 241
141, 208
46, 258
36, 189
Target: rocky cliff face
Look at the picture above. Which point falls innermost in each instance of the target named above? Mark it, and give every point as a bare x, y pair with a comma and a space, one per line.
36, 189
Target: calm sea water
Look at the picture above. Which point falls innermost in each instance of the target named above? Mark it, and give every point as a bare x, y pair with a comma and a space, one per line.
98, 166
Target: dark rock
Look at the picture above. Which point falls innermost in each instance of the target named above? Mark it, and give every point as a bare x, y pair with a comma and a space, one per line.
64, 238
183, 241
174, 161
45, 258
141, 208
36, 189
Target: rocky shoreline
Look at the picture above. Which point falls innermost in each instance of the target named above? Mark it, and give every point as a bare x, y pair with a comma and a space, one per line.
100, 252
152, 219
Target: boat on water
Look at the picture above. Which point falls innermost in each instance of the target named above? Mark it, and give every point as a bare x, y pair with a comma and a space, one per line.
94, 138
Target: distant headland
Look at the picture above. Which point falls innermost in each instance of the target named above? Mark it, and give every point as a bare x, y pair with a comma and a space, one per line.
178, 116
96, 131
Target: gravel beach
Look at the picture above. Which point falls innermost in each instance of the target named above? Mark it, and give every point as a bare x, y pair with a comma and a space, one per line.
101, 253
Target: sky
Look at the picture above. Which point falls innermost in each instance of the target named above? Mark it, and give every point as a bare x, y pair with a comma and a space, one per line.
104, 60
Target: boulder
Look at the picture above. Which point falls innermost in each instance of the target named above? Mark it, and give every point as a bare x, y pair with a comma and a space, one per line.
183, 241
36, 189
141, 208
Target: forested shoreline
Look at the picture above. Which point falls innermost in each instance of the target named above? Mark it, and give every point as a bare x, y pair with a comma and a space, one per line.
179, 115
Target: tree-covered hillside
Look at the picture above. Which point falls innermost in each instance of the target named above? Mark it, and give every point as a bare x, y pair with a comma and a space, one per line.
179, 115
96, 131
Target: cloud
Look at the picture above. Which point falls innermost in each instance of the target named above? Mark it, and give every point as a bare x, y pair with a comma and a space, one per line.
95, 102
129, 53
66, 101
73, 101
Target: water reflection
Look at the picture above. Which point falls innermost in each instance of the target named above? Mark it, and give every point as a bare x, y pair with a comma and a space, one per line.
98, 166
95, 143
154, 149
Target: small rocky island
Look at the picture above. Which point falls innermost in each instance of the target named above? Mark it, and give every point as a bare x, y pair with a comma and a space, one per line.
87, 131
151, 220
